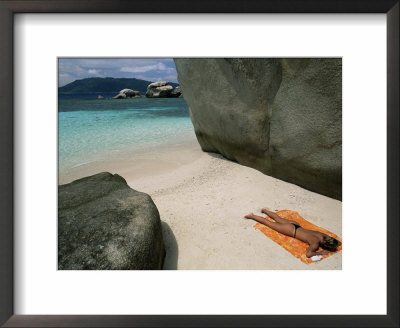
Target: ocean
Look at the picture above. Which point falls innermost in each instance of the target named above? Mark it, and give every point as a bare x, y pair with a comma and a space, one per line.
92, 130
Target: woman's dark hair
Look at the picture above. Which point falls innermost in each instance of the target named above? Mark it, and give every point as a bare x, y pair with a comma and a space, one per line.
330, 243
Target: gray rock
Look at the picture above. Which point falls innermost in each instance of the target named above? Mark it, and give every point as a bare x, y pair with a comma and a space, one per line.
157, 84
280, 116
127, 93
177, 92
159, 90
120, 96
103, 224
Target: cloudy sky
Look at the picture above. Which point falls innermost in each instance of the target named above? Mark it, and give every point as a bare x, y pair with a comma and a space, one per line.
150, 69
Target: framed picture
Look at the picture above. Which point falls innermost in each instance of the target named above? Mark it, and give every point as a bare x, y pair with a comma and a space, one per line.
35, 292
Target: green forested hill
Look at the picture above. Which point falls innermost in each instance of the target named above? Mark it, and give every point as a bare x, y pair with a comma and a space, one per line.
106, 84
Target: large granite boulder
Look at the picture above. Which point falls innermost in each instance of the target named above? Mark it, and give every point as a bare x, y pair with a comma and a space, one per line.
159, 90
280, 116
127, 93
103, 224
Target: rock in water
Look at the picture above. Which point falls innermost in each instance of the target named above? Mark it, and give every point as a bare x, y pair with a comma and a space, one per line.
177, 92
100, 97
103, 224
282, 117
159, 90
120, 96
127, 93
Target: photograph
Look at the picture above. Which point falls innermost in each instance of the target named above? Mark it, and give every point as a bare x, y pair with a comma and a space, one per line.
163, 162
199, 163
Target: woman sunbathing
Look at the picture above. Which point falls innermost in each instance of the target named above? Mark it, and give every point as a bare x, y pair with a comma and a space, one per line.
290, 228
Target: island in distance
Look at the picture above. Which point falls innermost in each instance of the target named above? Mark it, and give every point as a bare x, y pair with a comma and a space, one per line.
121, 87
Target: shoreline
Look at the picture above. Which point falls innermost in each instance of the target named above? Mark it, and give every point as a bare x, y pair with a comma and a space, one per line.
202, 198
136, 162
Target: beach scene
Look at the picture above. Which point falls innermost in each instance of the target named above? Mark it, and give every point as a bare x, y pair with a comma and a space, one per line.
200, 164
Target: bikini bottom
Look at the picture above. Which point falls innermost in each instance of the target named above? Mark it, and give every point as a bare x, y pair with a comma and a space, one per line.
296, 226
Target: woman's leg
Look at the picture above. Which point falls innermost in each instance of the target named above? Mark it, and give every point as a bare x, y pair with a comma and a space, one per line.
276, 217
284, 228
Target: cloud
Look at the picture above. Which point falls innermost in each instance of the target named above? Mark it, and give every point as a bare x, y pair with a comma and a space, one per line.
154, 78
151, 69
143, 69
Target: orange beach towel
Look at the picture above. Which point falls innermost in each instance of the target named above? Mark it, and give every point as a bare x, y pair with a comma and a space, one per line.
293, 245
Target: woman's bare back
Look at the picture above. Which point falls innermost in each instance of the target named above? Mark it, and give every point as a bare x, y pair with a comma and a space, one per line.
309, 236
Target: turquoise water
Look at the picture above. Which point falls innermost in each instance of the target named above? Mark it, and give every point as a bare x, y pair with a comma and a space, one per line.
91, 130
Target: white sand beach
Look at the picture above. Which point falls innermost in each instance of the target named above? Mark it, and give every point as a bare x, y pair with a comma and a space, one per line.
202, 199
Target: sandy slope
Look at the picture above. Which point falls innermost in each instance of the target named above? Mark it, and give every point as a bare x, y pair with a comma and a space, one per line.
202, 202
202, 198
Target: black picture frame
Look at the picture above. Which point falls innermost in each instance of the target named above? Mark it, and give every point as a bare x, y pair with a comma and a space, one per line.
10, 7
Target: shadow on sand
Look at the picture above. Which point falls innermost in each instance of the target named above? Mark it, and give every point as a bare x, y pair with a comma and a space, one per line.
216, 155
171, 248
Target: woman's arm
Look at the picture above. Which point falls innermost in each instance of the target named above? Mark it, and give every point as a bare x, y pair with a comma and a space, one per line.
312, 250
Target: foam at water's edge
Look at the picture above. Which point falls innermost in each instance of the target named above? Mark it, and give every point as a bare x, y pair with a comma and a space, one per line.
83, 163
